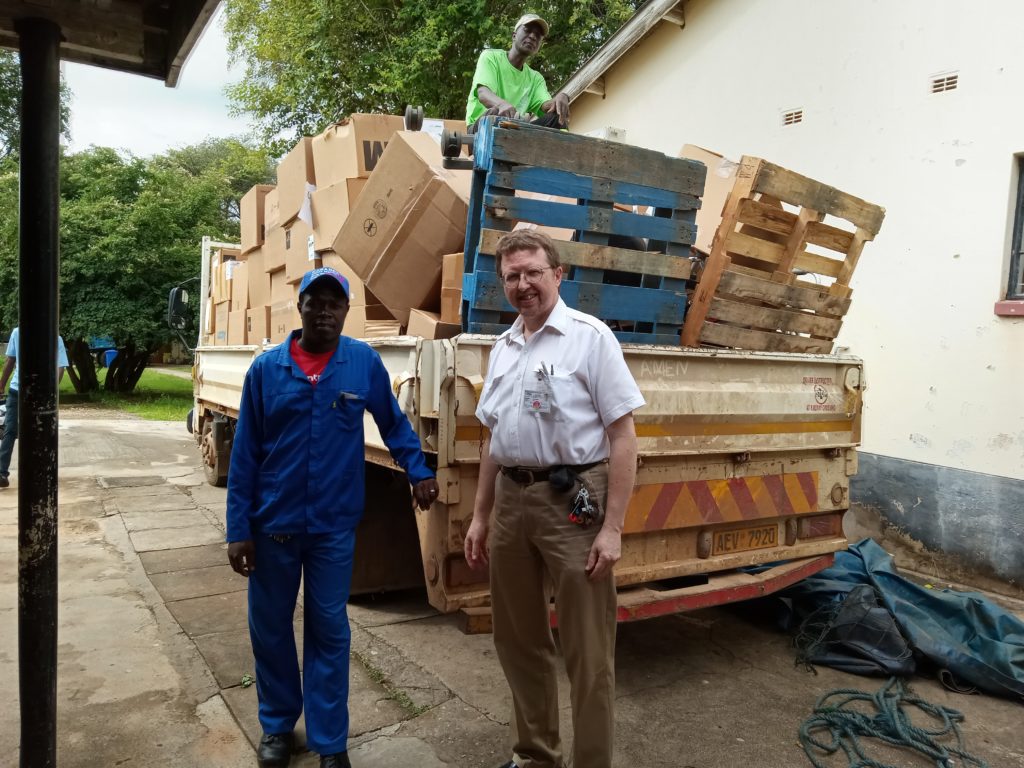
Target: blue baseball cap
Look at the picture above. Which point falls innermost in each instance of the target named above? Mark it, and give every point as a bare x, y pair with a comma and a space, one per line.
322, 273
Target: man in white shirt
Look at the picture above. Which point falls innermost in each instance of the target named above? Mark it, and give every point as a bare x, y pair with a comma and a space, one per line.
558, 471
11, 419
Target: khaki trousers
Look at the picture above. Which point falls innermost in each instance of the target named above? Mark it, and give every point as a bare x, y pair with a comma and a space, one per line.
532, 537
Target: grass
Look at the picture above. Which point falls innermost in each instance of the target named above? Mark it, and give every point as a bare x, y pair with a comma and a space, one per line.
157, 397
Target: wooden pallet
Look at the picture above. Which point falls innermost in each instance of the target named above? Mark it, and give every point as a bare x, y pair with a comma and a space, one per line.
779, 279
640, 294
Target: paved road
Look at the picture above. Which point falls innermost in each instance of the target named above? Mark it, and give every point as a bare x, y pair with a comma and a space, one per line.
153, 648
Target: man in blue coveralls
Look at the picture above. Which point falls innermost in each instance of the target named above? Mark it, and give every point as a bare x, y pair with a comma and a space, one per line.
295, 496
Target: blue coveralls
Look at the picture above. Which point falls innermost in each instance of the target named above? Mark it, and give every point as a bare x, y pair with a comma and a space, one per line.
296, 489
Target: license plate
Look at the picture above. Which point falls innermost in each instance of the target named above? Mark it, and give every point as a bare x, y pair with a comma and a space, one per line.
745, 539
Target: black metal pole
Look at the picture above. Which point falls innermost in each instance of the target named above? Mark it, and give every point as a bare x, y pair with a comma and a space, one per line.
39, 44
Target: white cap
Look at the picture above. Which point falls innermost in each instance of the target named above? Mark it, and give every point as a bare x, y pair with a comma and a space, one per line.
528, 18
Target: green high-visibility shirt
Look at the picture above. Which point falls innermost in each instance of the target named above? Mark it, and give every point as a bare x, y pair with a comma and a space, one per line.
524, 88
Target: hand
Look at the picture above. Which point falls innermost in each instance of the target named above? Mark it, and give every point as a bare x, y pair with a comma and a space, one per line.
475, 546
507, 110
562, 108
604, 554
425, 493
242, 556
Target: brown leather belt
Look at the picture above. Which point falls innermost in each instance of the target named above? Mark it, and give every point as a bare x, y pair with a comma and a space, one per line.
528, 476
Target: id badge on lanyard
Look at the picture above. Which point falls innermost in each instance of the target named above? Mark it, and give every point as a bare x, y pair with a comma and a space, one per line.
537, 395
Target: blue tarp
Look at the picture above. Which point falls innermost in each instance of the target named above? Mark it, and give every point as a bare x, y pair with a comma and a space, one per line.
963, 632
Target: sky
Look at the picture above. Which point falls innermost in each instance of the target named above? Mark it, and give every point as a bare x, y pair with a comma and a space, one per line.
144, 116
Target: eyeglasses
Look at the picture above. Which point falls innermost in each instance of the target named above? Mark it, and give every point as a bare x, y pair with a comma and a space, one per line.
532, 276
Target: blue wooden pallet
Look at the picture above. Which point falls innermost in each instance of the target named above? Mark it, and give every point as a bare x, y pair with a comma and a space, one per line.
595, 174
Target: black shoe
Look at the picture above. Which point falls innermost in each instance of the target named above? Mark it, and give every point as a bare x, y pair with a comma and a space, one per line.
4, 482
275, 750
339, 760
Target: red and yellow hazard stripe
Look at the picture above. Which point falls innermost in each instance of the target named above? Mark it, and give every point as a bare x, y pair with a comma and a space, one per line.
703, 502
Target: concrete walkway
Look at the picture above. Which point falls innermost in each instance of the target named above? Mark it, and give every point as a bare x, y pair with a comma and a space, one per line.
153, 648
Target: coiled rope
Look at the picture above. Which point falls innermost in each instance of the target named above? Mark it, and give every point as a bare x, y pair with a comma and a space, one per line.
839, 724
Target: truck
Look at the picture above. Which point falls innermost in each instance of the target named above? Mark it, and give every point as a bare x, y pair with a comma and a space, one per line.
745, 457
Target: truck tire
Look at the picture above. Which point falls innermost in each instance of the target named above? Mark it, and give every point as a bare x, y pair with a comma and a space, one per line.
216, 451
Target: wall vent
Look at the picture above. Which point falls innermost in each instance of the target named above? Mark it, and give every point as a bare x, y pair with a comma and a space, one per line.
792, 116
946, 82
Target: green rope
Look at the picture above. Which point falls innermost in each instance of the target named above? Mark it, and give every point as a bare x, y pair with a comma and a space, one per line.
836, 727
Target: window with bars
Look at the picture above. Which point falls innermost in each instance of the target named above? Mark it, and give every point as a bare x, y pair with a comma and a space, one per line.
1015, 287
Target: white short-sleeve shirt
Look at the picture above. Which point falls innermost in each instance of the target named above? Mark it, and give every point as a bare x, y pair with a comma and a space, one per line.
548, 400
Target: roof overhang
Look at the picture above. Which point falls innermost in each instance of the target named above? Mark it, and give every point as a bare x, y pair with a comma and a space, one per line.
144, 37
589, 77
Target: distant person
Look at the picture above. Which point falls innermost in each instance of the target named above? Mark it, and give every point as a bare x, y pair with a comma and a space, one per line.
11, 419
295, 497
556, 474
505, 85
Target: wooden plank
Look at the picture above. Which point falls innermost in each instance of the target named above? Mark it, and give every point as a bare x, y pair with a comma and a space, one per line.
608, 302
760, 289
795, 189
768, 217
551, 181
860, 237
588, 218
112, 31
755, 248
596, 256
815, 262
763, 341
795, 245
826, 236
476, 620
530, 145
768, 318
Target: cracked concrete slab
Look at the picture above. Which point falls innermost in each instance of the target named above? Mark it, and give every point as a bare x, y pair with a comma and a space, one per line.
423, 688
130, 481
206, 615
228, 654
197, 582
172, 538
148, 520
152, 504
184, 558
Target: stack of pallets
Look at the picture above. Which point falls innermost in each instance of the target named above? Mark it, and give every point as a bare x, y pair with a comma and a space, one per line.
778, 276
641, 294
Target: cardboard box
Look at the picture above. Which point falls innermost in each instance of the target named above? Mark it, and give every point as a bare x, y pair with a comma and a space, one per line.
717, 186
236, 327
330, 209
284, 318
273, 250
258, 279
298, 250
451, 305
355, 188
293, 174
257, 324
251, 214
428, 325
411, 212
357, 289
280, 289
240, 286
372, 321
209, 318
223, 279
222, 311
452, 265
271, 210
352, 147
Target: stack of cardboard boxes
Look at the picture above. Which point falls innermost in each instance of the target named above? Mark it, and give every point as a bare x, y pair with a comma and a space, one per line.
366, 198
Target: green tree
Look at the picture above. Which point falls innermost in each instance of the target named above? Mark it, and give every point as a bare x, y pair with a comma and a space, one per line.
130, 231
308, 62
10, 105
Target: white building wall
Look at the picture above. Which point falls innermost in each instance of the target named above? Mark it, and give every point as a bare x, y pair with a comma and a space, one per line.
945, 374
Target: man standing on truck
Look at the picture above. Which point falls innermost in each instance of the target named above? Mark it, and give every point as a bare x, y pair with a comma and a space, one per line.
505, 85
295, 496
558, 471
11, 417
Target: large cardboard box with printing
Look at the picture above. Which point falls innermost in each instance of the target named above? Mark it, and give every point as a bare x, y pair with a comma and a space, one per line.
251, 214
236, 327
428, 325
258, 279
222, 311
357, 289
274, 250
351, 148
240, 286
411, 212
293, 174
298, 251
284, 318
280, 289
271, 210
